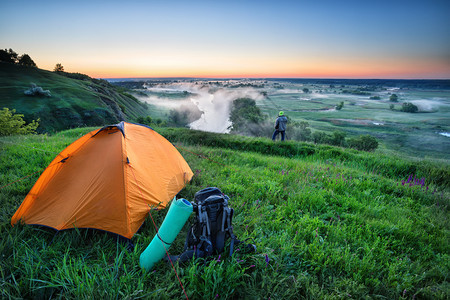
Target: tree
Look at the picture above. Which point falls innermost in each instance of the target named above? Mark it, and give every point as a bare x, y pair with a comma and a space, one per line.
393, 98
58, 68
14, 56
306, 90
409, 107
26, 60
11, 123
6, 56
391, 107
243, 112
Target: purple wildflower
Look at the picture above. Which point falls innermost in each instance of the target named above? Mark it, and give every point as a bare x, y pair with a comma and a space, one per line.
410, 178
267, 260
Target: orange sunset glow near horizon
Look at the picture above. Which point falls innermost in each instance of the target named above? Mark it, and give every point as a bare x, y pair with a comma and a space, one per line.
266, 39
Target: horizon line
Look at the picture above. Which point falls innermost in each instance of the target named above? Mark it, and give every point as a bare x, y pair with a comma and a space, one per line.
256, 78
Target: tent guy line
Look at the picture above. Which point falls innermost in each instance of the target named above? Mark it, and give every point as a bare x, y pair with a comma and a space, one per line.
157, 230
25, 177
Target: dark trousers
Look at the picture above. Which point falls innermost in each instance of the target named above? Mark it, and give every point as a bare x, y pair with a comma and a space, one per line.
276, 132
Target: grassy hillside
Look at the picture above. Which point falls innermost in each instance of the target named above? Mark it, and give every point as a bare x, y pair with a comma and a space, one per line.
73, 102
328, 223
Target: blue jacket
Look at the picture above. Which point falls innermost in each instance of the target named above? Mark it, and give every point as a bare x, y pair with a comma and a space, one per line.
280, 125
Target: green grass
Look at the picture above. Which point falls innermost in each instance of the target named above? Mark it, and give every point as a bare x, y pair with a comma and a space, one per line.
334, 223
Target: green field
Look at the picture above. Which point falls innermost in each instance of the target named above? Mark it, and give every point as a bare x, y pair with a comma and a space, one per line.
328, 223
411, 134
417, 135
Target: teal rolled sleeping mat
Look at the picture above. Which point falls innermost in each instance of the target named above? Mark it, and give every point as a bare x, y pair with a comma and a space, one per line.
176, 217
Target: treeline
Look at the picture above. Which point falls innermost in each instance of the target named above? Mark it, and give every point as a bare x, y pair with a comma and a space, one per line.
10, 56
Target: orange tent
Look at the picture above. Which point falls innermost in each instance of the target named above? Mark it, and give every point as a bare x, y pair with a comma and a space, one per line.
108, 179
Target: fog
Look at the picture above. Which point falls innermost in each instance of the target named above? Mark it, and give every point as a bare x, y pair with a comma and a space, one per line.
213, 102
427, 105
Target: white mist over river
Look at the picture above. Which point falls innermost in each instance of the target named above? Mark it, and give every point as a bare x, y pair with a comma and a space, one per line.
214, 103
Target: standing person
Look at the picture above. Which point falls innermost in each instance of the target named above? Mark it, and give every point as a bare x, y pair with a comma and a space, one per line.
280, 126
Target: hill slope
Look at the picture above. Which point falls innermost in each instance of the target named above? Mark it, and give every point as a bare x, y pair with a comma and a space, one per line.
328, 223
73, 102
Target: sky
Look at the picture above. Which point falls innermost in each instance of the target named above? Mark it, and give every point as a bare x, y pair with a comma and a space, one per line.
223, 39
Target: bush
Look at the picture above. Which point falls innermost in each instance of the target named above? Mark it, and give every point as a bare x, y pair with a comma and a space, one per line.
37, 91
299, 131
337, 139
11, 123
319, 137
409, 107
145, 120
340, 105
364, 143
